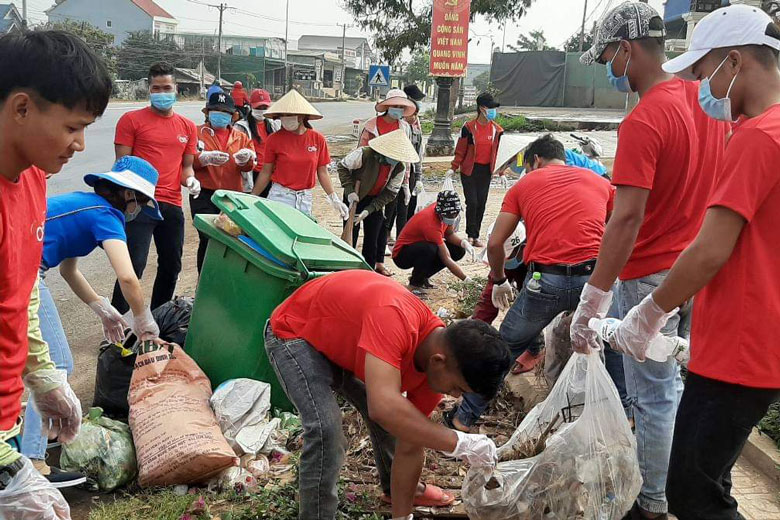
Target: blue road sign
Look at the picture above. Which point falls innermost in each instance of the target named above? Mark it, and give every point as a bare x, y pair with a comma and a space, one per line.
379, 75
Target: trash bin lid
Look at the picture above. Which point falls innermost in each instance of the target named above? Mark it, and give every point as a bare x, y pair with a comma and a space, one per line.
288, 235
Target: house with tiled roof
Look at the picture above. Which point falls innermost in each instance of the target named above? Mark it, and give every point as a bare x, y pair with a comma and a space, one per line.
10, 19
117, 17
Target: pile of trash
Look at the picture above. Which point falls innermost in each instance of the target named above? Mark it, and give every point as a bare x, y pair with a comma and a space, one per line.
572, 457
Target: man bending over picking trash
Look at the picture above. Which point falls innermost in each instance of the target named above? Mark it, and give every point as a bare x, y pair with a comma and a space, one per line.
367, 338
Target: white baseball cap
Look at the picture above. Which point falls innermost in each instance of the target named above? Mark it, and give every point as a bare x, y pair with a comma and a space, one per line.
730, 26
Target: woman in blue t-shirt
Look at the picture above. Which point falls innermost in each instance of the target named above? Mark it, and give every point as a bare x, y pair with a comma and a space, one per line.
76, 224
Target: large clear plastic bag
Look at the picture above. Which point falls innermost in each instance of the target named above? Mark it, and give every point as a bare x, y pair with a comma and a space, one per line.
29, 496
585, 469
103, 451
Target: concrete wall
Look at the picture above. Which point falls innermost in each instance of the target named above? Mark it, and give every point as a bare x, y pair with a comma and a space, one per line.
587, 86
124, 16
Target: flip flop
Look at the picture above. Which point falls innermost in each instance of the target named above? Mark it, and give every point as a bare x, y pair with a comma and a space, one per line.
433, 496
526, 362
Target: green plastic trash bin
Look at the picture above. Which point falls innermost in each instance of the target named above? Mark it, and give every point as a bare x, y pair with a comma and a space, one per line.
243, 280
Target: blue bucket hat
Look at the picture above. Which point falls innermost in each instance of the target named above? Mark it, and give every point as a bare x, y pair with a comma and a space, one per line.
135, 174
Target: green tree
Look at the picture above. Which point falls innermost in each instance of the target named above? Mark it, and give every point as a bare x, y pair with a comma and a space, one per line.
573, 43
398, 25
418, 70
482, 82
140, 49
533, 41
99, 41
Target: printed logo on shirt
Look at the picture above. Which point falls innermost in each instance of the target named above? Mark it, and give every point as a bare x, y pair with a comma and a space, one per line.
37, 230
312, 148
183, 139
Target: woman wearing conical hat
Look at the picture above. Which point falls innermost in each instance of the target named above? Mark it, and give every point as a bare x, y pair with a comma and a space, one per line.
296, 157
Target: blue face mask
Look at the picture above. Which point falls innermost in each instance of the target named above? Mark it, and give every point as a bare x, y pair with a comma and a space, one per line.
621, 84
163, 100
396, 113
491, 113
719, 109
220, 119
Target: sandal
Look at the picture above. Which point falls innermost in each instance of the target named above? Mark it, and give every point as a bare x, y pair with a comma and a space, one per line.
526, 362
432, 496
476, 242
383, 271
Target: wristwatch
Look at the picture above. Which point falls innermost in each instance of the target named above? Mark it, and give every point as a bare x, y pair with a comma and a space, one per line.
7, 473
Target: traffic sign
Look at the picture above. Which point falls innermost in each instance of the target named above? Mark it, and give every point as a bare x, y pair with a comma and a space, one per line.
379, 75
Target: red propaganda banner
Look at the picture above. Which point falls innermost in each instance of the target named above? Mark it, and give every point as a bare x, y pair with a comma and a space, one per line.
450, 37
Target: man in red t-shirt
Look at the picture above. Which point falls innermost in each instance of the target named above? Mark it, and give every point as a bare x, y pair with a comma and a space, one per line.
565, 209
392, 359
664, 170
42, 125
169, 142
731, 267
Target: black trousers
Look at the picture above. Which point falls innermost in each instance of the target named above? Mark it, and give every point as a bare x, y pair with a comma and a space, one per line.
413, 178
423, 259
202, 206
713, 422
373, 227
396, 214
168, 237
476, 188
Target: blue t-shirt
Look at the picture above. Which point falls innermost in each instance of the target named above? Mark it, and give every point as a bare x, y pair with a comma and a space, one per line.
573, 158
77, 223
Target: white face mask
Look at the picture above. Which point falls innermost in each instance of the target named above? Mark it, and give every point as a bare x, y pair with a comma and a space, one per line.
290, 123
258, 113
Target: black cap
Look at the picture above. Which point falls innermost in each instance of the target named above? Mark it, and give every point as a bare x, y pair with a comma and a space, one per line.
414, 92
486, 100
221, 101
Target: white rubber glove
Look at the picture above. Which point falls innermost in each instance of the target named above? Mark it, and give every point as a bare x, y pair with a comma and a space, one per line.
477, 450
469, 249
29, 496
193, 186
338, 205
450, 174
467, 280
352, 198
213, 158
407, 194
361, 217
642, 323
503, 181
58, 406
407, 517
243, 156
113, 323
419, 187
594, 303
144, 326
503, 295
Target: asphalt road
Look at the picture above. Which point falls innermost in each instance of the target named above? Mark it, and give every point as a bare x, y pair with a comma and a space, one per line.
99, 154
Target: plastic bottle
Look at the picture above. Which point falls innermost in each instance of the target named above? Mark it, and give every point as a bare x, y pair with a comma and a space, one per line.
659, 349
533, 284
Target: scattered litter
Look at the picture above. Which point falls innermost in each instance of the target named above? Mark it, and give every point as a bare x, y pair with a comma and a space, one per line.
443, 313
176, 435
259, 467
234, 479
103, 451
572, 457
180, 490
557, 347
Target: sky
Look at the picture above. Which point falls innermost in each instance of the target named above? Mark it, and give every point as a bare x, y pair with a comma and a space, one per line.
559, 19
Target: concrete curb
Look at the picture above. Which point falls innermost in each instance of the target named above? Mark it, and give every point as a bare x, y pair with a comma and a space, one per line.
762, 452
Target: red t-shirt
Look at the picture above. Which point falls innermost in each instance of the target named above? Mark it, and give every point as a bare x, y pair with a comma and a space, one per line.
383, 127
239, 97
483, 142
659, 145
259, 143
162, 141
735, 317
296, 158
381, 180
22, 217
373, 315
425, 226
565, 210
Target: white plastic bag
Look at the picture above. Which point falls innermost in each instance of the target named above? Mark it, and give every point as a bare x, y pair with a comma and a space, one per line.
448, 185
241, 407
29, 496
587, 469
424, 199
557, 346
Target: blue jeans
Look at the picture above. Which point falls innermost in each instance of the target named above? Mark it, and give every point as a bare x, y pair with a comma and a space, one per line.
613, 361
530, 314
33, 440
655, 389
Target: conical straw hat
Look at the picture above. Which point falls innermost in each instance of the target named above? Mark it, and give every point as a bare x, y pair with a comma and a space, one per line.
395, 145
293, 103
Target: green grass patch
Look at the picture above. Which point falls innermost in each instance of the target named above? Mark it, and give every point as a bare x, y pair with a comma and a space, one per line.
770, 424
468, 295
510, 123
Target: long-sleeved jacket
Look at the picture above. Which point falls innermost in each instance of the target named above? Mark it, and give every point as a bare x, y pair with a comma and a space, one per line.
364, 164
228, 175
417, 142
465, 149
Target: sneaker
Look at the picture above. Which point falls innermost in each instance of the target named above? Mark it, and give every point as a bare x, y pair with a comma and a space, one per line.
57, 477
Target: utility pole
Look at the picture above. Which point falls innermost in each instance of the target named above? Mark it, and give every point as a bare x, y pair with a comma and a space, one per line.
582, 29
343, 55
503, 40
286, 28
202, 65
221, 8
